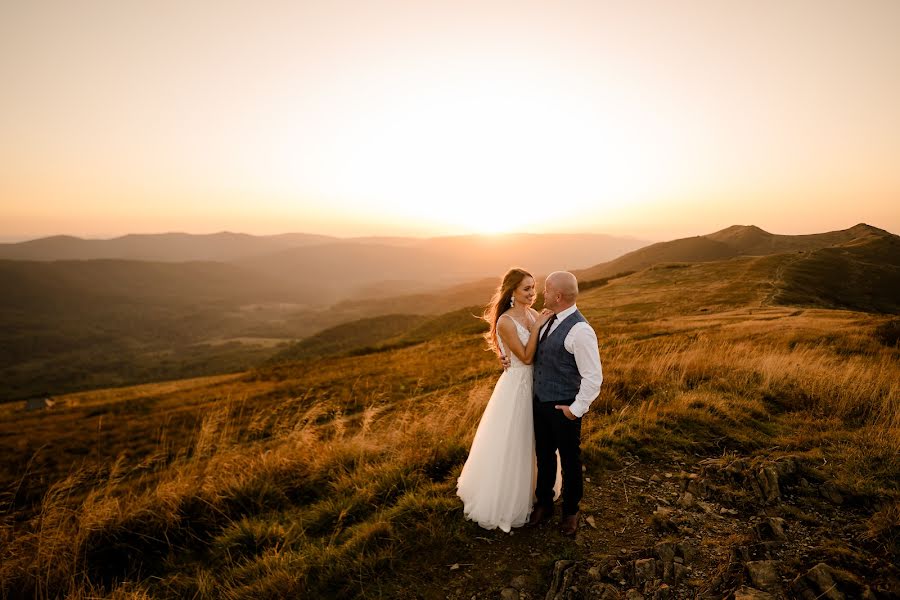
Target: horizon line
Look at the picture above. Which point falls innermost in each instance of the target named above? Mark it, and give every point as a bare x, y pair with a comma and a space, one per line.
15, 239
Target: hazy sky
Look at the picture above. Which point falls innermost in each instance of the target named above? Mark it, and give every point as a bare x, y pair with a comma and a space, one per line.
658, 118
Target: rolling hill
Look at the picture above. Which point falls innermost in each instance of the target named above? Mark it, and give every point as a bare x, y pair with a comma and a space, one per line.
34, 283
737, 240
860, 274
70, 325
738, 443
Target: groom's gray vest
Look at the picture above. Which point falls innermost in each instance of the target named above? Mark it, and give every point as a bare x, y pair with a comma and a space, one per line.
556, 376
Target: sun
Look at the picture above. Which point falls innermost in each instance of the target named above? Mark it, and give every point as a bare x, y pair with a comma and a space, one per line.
470, 152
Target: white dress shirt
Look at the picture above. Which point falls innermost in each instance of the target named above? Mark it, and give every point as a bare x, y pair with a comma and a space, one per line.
582, 342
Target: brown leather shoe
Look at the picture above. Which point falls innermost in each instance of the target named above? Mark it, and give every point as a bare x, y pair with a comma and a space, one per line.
569, 524
540, 514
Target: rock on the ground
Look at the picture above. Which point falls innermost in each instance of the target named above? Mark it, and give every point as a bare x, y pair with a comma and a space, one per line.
748, 593
766, 485
772, 528
764, 574
509, 593
563, 572
831, 493
644, 570
604, 591
825, 582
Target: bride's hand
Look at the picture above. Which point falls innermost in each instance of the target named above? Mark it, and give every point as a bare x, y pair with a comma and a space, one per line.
545, 316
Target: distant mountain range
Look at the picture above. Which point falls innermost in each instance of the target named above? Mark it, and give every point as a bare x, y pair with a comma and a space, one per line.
81, 324
320, 270
167, 247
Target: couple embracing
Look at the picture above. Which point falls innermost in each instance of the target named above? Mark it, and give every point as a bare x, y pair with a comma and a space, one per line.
552, 374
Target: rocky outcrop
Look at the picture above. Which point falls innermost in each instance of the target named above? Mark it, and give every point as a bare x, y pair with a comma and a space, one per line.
825, 582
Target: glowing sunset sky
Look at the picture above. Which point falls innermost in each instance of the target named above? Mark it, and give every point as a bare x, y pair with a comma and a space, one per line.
657, 119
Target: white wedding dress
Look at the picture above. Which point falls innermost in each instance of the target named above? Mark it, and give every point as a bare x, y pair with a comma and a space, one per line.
497, 482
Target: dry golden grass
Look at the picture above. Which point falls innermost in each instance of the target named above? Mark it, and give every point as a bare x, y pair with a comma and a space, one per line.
321, 477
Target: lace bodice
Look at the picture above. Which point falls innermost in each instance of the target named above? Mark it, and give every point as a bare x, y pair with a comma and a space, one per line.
524, 335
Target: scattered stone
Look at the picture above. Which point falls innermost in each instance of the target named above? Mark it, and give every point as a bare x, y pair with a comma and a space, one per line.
644, 570
696, 486
741, 553
617, 573
823, 581
661, 519
786, 467
519, 582
830, 492
766, 485
764, 574
590, 521
686, 551
771, 528
667, 475
686, 501
563, 571
665, 551
509, 594
603, 591
633, 594
655, 479
748, 593
680, 572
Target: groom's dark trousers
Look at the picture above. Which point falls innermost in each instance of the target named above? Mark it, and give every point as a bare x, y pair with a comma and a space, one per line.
552, 431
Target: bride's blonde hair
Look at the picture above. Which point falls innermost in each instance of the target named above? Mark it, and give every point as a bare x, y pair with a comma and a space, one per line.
500, 302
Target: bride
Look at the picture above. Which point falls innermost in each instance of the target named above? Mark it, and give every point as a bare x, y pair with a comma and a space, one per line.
497, 482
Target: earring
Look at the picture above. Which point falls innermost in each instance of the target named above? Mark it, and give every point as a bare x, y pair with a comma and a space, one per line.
512, 302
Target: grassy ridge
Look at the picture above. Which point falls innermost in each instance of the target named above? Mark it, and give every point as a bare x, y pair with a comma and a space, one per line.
317, 493
335, 476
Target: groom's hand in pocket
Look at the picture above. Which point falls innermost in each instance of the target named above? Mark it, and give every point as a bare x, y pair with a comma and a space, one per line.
566, 411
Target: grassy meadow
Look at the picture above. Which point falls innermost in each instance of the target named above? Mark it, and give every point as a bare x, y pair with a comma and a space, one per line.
335, 476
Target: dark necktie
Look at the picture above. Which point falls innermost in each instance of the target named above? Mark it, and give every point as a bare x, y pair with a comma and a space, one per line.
547, 330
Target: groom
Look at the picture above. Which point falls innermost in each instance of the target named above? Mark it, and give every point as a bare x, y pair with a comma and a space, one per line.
567, 378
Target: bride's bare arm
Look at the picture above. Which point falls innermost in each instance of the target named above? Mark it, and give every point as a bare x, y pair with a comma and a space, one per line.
507, 332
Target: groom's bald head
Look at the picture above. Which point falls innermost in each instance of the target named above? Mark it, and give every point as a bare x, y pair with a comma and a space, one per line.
560, 290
